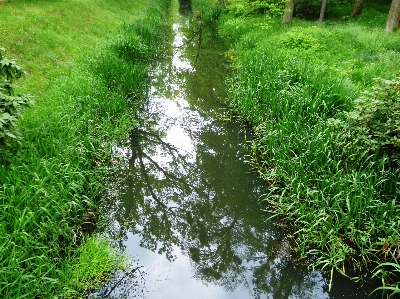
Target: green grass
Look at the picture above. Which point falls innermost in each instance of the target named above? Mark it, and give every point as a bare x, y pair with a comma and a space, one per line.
45, 36
86, 100
293, 85
90, 265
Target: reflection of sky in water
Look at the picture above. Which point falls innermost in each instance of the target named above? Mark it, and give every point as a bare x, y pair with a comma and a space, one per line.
178, 59
218, 226
175, 279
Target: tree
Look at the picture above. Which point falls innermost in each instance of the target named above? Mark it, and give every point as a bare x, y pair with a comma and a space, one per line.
358, 7
288, 12
322, 13
394, 16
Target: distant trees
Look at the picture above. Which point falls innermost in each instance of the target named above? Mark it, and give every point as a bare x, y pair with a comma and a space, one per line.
308, 8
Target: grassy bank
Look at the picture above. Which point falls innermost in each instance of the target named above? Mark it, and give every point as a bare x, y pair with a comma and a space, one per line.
326, 133
86, 64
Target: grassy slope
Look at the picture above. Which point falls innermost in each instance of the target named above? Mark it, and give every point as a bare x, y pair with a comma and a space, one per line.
45, 36
291, 83
85, 95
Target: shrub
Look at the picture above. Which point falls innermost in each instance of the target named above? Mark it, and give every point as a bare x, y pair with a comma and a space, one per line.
300, 38
252, 7
376, 118
10, 105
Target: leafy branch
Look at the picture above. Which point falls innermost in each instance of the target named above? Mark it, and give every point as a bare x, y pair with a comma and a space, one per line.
11, 105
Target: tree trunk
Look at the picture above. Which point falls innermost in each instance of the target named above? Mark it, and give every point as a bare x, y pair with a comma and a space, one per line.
288, 13
394, 16
322, 13
358, 8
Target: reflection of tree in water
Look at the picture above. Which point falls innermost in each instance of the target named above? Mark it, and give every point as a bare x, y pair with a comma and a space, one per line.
125, 285
201, 203
208, 213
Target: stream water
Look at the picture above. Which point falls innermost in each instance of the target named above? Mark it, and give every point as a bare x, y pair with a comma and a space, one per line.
184, 204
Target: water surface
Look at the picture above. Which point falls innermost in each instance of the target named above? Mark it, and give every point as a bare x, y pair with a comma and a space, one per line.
186, 205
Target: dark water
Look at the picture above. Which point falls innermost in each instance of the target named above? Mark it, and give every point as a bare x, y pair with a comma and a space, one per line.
186, 206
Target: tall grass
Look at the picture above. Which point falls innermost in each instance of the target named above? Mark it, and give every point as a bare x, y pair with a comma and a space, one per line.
49, 187
292, 86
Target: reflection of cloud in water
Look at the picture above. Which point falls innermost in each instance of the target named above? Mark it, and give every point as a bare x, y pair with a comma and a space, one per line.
178, 59
166, 276
179, 37
180, 138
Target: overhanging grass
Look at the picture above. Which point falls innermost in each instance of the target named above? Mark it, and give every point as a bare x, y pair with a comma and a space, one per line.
50, 184
90, 265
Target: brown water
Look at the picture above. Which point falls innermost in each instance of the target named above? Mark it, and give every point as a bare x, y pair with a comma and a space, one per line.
186, 206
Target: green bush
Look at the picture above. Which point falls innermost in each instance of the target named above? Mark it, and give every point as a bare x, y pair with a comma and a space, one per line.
11, 105
375, 121
300, 38
252, 7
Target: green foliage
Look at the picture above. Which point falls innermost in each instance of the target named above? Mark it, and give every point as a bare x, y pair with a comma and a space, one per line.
310, 9
49, 189
8, 68
91, 265
123, 77
336, 195
389, 270
375, 120
330, 159
251, 7
11, 105
210, 11
134, 43
300, 38
354, 50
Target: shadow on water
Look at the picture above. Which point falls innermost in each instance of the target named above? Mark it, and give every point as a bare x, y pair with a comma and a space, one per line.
184, 203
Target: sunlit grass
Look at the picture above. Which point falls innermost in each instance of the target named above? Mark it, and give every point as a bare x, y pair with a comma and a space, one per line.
63, 28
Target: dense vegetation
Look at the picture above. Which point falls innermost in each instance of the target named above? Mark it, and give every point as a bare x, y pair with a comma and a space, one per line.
87, 78
323, 103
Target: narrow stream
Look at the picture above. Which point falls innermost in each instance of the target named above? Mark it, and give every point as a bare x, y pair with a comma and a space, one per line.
184, 204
